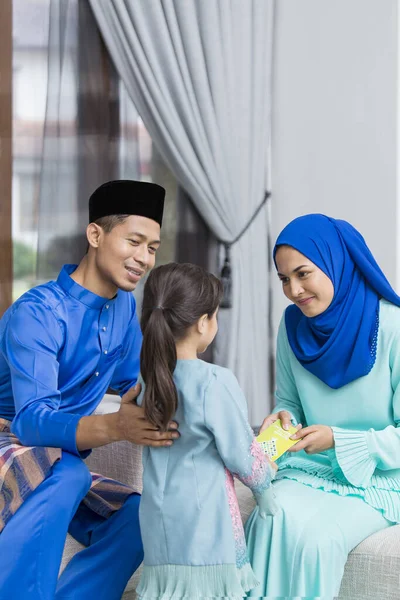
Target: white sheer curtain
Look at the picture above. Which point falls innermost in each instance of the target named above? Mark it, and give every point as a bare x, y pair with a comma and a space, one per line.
91, 132
199, 74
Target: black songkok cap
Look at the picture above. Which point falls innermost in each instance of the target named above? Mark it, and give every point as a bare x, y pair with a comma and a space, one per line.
127, 197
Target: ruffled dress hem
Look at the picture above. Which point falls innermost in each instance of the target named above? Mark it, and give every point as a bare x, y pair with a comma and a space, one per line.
170, 582
383, 494
351, 458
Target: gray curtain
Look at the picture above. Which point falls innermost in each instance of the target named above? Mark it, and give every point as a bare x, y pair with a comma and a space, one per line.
199, 74
195, 243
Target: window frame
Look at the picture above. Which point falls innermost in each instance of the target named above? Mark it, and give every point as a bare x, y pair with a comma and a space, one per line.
6, 275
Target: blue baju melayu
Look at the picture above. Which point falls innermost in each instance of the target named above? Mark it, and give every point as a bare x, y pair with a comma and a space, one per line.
61, 347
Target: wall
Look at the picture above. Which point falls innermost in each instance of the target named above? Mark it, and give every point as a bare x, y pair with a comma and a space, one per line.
335, 107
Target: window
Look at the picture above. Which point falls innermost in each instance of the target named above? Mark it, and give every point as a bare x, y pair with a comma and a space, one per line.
30, 40
59, 147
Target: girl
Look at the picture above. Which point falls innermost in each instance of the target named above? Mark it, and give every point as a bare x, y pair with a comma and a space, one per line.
191, 527
338, 372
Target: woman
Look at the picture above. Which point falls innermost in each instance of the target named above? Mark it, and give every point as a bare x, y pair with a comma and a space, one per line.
338, 374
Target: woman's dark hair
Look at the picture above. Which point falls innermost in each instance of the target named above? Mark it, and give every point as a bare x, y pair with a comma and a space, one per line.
175, 297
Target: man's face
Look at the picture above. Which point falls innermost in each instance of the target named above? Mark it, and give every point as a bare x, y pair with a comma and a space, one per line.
128, 252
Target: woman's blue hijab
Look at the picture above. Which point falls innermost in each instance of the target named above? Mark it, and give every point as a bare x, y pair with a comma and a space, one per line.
339, 345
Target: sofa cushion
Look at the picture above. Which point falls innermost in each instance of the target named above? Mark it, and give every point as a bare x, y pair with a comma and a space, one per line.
373, 567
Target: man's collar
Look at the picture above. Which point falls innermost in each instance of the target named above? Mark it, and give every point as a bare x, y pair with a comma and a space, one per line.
75, 290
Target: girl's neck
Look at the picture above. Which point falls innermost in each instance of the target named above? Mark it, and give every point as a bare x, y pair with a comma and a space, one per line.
186, 349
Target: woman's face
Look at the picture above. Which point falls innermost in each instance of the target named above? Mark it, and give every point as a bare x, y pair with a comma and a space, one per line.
303, 282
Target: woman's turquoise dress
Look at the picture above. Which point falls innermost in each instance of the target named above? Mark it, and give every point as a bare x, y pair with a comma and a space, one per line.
328, 503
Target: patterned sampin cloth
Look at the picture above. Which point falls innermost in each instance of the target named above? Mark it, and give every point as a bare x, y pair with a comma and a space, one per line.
23, 468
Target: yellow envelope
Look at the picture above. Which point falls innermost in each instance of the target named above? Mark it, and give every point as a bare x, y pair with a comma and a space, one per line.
275, 440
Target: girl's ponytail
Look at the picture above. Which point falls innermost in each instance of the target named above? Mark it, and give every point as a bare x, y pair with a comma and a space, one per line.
158, 361
175, 296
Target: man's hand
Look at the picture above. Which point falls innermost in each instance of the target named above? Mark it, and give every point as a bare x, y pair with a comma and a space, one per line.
129, 423
314, 439
133, 426
283, 415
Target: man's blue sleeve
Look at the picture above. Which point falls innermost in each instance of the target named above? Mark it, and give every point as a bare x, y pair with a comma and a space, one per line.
31, 344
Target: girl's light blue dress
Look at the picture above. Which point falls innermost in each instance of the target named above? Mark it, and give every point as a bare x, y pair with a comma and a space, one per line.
327, 503
192, 532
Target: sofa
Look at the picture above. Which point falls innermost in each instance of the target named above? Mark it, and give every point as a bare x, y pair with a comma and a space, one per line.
373, 567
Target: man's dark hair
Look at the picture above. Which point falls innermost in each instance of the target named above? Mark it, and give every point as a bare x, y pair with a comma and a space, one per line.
108, 223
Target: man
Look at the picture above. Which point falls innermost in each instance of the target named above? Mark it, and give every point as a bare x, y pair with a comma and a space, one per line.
62, 344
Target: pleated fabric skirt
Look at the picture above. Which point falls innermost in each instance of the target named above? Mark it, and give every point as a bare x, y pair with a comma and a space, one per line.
301, 551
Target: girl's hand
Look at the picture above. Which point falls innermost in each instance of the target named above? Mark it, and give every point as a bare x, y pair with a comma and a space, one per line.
271, 462
314, 439
283, 415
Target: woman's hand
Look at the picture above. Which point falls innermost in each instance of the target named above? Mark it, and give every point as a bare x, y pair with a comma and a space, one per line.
283, 415
313, 439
